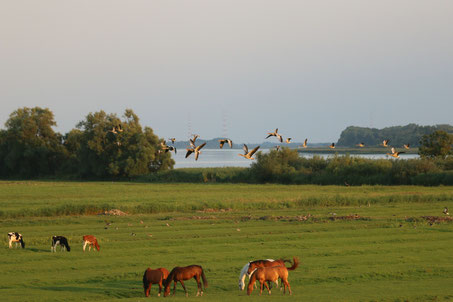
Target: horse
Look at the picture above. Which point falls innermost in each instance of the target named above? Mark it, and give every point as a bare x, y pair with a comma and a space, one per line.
61, 241
271, 273
154, 276
185, 273
16, 238
252, 265
91, 241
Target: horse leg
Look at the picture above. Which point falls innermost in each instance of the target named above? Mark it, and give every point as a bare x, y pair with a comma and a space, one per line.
84, 245
289, 287
148, 289
174, 287
183, 286
199, 288
261, 287
160, 287
267, 286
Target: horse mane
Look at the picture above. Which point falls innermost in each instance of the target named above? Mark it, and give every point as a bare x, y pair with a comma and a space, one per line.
170, 277
242, 275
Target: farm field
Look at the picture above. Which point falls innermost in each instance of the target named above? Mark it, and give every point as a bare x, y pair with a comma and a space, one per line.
376, 248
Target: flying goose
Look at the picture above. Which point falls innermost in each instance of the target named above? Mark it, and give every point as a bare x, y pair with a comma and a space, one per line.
288, 140
276, 134
406, 146
361, 145
385, 142
195, 150
226, 140
445, 211
304, 145
248, 154
172, 140
119, 128
113, 130
332, 146
394, 153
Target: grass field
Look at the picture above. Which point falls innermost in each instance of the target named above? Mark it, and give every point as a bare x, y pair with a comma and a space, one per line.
385, 253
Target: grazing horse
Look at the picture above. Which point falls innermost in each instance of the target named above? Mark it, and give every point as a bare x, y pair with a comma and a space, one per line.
154, 276
16, 238
61, 241
185, 273
252, 265
271, 273
91, 241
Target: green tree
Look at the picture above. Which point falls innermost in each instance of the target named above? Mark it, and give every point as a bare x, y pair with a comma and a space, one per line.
436, 144
29, 147
130, 151
276, 165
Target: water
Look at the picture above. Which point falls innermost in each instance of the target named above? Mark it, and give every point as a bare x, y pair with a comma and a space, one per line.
213, 158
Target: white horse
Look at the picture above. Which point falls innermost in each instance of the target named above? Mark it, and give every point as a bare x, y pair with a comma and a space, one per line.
244, 273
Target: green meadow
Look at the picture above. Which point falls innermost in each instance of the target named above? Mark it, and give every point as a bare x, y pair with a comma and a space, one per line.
366, 243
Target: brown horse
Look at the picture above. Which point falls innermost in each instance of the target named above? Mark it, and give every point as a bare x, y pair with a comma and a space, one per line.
154, 276
253, 265
272, 273
185, 273
91, 241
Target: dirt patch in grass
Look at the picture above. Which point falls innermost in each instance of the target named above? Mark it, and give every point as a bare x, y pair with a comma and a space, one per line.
114, 212
349, 217
437, 219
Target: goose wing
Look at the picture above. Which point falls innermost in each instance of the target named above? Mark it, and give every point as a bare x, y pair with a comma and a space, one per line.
222, 142
230, 142
253, 151
246, 149
189, 151
200, 146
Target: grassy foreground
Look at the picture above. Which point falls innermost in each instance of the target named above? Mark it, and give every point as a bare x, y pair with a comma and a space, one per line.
386, 253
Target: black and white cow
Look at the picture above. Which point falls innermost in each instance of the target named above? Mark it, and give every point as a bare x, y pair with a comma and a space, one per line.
16, 238
61, 241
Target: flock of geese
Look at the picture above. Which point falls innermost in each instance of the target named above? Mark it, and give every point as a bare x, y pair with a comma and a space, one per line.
248, 154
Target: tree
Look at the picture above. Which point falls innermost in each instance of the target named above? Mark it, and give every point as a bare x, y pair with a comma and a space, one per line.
436, 144
29, 146
127, 151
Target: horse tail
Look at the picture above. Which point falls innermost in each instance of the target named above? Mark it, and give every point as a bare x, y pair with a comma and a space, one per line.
66, 244
145, 280
96, 244
205, 281
22, 243
295, 264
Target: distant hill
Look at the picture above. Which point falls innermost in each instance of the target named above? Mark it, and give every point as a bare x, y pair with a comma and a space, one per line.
398, 135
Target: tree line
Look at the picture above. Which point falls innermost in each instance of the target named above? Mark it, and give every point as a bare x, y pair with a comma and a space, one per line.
398, 135
30, 148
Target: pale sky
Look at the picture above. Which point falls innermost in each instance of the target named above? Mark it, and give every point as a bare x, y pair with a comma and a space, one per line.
310, 68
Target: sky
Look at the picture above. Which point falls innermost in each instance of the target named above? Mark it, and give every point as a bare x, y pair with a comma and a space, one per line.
239, 68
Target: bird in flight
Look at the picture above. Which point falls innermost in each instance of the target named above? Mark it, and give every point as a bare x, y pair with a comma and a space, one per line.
385, 142
226, 140
195, 150
276, 134
394, 153
248, 154
172, 140
332, 146
406, 146
304, 145
361, 145
288, 140
445, 211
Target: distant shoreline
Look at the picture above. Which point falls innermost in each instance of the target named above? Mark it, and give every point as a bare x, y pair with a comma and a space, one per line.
346, 150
